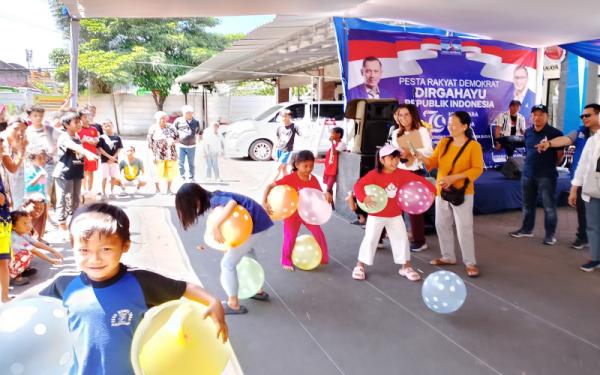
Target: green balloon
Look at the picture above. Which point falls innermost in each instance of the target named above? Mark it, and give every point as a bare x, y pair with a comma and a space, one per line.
380, 196
251, 277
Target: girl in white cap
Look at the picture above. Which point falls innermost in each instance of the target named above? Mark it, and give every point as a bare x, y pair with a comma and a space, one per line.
388, 176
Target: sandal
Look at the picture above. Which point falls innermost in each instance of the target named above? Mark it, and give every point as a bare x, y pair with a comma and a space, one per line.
358, 273
231, 311
409, 273
19, 281
441, 262
262, 296
472, 271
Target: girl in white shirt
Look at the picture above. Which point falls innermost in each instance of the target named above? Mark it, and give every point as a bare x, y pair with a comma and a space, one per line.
408, 120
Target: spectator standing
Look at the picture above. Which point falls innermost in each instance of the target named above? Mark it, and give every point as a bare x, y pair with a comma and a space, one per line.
539, 177
89, 136
189, 129
459, 160
578, 138
408, 120
213, 148
109, 146
68, 173
162, 138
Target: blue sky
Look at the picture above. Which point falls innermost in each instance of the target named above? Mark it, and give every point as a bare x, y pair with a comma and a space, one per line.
28, 24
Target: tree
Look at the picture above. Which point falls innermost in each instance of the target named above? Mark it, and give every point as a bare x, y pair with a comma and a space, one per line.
185, 90
148, 52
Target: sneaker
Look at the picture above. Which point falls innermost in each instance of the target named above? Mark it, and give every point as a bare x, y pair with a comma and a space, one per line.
380, 245
123, 194
590, 266
549, 240
579, 244
414, 247
29, 272
520, 233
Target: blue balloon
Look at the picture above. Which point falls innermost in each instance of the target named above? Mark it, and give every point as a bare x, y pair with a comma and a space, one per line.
444, 292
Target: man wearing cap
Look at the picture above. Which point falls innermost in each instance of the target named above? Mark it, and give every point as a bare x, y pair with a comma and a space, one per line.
188, 128
539, 176
578, 138
510, 129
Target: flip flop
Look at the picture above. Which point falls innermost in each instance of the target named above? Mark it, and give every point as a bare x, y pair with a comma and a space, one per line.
262, 296
230, 311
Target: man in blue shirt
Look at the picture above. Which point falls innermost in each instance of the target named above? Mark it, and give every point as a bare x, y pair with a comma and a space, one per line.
578, 138
539, 176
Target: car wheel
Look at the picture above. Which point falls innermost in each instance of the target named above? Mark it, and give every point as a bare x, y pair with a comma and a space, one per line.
261, 150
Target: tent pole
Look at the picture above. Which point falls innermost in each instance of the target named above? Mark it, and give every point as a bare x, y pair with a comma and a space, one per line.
73, 79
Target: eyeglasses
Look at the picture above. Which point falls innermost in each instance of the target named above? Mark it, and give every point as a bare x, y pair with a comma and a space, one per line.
585, 115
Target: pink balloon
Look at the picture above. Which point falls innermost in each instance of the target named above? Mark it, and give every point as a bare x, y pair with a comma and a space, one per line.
415, 197
313, 208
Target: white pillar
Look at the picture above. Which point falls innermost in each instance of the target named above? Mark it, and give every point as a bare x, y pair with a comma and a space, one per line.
73, 80
539, 82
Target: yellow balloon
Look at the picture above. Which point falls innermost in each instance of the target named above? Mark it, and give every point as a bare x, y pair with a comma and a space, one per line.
174, 339
236, 229
283, 200
307, 253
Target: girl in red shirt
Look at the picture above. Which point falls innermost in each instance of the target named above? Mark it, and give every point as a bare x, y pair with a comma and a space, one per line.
391, 179
300, 178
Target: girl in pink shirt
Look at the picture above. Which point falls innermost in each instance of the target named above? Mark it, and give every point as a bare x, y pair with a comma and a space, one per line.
391, 179
300, 178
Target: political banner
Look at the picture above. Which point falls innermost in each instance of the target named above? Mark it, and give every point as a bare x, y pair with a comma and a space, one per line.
439, 74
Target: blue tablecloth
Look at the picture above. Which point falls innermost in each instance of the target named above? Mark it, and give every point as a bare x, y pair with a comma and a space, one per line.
494, 192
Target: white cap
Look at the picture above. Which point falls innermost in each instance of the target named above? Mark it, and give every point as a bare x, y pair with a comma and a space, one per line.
187, 109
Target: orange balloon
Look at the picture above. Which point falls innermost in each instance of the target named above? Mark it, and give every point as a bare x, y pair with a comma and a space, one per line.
236, 229
283, 200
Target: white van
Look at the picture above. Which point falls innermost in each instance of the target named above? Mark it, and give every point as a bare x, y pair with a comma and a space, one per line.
255, 138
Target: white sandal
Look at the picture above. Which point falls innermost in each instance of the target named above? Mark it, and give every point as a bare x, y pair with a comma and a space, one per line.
358, 273
409, 273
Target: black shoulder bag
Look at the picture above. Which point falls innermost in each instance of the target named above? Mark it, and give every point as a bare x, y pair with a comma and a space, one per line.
453, 195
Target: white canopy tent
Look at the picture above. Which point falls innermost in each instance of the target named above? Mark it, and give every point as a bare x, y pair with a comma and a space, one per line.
534, 23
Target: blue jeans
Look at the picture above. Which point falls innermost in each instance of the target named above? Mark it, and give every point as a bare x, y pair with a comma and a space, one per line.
190, 153
592, 211
212, 165
546, 187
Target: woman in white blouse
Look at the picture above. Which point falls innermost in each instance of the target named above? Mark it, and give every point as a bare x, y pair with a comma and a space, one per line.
408, 120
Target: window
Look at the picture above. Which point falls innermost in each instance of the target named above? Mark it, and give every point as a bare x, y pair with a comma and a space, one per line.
552, 100
297, 112
327, 111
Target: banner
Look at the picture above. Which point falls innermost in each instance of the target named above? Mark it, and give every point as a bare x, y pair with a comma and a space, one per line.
439, 74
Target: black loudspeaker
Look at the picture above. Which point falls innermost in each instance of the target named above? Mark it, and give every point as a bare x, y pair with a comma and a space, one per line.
513, 167
372, 121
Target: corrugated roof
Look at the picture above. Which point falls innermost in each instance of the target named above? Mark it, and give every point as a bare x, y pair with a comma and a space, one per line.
287, 45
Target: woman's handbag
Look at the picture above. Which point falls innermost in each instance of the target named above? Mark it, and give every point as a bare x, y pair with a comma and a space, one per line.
451, 194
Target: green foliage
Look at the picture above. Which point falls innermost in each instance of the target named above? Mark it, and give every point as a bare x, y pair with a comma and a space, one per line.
148, 52
254, 88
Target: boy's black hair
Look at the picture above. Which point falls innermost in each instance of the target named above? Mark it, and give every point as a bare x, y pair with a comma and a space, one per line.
102, 218
300, 157
35, 108
338, 130
69, 116
379, 164
594, 106
191, 202
16, 215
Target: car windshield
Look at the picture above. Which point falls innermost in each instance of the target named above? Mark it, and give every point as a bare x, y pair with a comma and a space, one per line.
269, 112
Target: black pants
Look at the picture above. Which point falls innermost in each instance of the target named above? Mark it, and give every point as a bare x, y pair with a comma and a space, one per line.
510, 145
581, 220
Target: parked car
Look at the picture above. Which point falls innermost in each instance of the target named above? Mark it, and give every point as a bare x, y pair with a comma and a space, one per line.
255, 138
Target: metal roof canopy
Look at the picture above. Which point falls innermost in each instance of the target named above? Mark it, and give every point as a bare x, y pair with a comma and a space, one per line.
534, 23
290, 47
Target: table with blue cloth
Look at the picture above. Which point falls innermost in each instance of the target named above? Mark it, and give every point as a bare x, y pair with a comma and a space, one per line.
495, 193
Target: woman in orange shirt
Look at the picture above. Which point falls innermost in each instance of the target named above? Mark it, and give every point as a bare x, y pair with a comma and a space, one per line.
459, 160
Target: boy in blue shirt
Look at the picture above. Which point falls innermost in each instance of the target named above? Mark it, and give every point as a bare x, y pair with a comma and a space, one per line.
107, 300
